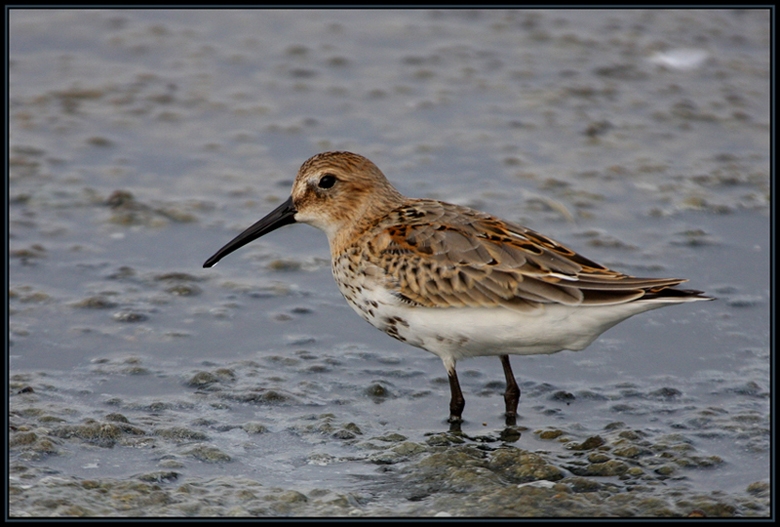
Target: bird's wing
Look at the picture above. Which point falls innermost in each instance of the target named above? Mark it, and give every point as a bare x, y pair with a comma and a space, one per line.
442, 255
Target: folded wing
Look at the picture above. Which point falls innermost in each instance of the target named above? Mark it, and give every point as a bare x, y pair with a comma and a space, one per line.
442, 255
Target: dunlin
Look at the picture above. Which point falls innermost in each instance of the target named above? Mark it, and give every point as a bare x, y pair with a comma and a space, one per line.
452, 280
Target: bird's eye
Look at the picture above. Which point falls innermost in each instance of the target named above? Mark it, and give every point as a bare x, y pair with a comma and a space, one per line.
327, 181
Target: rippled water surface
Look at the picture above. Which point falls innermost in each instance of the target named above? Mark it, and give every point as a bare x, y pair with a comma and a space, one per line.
141, 141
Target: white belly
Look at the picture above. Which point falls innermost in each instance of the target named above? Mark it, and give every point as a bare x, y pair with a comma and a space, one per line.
456, 333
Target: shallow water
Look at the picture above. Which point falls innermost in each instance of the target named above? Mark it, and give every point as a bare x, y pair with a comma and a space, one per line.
142, 141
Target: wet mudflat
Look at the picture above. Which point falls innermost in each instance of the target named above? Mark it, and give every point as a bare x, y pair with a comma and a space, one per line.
144, 385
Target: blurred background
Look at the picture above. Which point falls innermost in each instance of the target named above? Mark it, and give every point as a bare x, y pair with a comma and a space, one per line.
141, 141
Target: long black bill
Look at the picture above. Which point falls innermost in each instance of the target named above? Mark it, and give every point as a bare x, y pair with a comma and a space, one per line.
282, 215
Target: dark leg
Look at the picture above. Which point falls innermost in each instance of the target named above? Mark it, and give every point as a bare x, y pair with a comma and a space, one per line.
457, 402
512, 393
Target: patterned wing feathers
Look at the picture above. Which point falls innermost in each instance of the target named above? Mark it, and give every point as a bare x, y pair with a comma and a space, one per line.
438, 254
